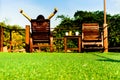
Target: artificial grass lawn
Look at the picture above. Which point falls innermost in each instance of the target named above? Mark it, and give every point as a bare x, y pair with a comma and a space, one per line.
60, 66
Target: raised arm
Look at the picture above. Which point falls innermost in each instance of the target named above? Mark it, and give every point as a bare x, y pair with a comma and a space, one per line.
25, 15
52, 14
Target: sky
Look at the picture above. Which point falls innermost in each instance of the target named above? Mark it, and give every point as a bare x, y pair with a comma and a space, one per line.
9, 9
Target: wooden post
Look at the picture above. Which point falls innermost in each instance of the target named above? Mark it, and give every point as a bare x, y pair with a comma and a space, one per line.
105, 42
79, 43
10, 41
65, 44
51, 44
1, 39
27, 37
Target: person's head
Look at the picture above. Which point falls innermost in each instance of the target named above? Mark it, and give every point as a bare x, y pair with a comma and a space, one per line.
40, 17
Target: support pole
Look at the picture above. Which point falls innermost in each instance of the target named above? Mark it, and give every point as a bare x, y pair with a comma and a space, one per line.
105, 28
27, 37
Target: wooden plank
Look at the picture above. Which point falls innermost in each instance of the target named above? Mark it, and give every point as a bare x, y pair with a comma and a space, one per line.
40, 30
72, 48
96, 48
90, 31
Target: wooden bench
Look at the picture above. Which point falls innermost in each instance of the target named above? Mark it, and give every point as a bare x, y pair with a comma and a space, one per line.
92, 38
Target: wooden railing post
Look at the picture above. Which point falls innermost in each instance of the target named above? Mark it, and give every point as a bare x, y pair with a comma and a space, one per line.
1, 39
51, 43
27, 37
11, 47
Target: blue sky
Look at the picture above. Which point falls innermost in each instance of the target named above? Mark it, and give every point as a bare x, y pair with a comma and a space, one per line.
9, 9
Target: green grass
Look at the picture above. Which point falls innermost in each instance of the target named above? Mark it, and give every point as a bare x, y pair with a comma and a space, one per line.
60, 66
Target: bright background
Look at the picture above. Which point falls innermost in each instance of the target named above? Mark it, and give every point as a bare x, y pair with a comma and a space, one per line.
9, 9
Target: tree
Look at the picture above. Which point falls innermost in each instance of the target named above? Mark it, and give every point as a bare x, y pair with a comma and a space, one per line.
114, 31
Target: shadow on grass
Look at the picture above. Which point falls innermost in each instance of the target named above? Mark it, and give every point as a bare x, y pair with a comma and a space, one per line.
106, 59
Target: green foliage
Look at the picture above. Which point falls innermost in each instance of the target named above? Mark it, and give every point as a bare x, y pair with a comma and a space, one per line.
18, 35
75, 24
17, 40
58, 45
114, 31
59, 66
